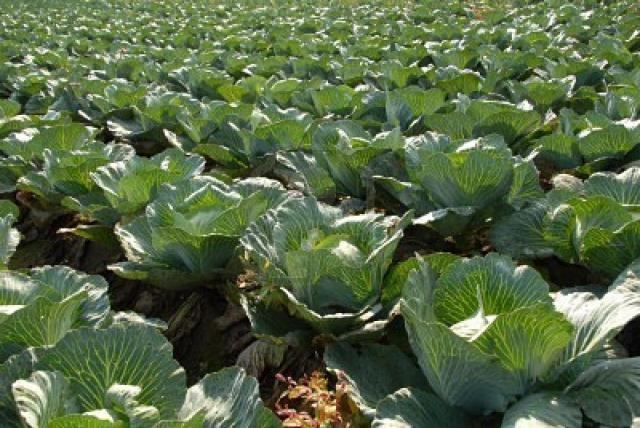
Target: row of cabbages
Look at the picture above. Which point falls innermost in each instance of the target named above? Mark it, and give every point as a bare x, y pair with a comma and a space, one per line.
456, 187
486, 333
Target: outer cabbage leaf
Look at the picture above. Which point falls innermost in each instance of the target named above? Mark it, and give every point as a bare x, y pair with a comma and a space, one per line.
543, 410
624, 188
301, 171
11, 169
395, 370
528, 341
511, 125
521, 234
493, 284
453, 80
344, 149
546, 94
407, 104
460, 374
8, 208
608, 392
592, 222
99, 419
18, 366
596, 231
613, 141
410, 407
476, 118
559, 150
9, 236
31, 143
41, 398
228, 398
597, 318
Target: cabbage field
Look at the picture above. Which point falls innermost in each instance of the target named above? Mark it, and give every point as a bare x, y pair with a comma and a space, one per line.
319, 214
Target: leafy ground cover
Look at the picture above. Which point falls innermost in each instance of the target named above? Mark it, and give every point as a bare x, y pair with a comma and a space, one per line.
319, 214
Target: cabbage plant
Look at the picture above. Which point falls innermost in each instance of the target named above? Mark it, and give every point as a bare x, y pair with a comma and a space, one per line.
593, 223
488, 337
39, 307
344, 149
23, 151
127, 185
477, 118
189, 233
238, 137
11, 169
458, 185
122, 375
595, 148
319, 268
64, 180
30, 143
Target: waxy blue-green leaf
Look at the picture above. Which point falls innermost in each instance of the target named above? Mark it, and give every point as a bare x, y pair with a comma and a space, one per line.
405, 105
41, 398
597, 318
356, 365
502, 286
521, 234
608, 392
455, 185
453, 80
546, 94
613, 141
9, 209
11, 169
543, 410
624, 188
411, 407
527, 341
344, 149
489, 319
510, 124
560, 150
595, 231
18, 366
228, 398
301, 171
458, 372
